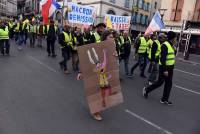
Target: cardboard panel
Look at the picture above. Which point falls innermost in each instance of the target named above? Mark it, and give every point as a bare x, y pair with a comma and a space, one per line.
104, 93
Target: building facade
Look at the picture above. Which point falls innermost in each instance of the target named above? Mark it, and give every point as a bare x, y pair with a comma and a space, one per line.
140, 15
179, 10
28, 7
115, 7
8, 8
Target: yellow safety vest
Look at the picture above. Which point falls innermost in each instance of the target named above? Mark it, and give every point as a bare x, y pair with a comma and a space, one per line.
11, 24
97, 37
68, 39
55, 27
33, 29
74, 47
17, 28
170, 59
4, 34
143, 45
149, 45
158, 49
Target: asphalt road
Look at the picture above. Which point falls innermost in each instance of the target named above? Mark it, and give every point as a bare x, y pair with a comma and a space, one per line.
37, 98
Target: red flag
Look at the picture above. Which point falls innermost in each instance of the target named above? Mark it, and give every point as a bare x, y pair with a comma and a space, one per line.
46, 4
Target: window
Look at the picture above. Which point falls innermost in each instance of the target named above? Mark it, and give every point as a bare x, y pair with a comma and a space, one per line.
112, 1
143, 19
140, 3
111, 12
146, 18
138, 18
133, 18
144, 6
176, 13
148, 6
155, 5
127, 4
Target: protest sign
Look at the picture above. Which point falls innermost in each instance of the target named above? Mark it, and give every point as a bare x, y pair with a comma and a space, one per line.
100, 71
80, 14
117, 22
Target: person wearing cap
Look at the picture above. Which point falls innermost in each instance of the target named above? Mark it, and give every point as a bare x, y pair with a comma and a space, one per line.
4, 39
153, 57
166, 67
51, 32
65, 40
141, 52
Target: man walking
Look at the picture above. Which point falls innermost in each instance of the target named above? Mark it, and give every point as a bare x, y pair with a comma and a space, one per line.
167, 61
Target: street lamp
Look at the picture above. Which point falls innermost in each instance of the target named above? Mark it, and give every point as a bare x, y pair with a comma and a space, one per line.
162, 12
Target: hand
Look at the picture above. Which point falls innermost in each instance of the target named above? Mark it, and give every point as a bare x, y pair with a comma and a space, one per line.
79, 76
115, 54
166, 73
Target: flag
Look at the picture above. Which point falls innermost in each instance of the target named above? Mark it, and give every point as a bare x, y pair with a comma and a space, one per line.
108, 22
54, 6
156, 24
45, 4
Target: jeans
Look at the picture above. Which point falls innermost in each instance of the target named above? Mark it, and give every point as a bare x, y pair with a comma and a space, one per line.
32, 37
40, 38
154, 72
126, 64
142, 63
19, 39
66, 57
75, 61
4, 43
51, 47
161, 79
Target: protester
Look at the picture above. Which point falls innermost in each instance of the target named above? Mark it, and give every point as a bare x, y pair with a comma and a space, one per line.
65, 40
167, 61
51, 32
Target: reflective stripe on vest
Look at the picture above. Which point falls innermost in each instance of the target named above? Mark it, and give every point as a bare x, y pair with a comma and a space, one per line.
68, 39
157, 51
170, 59
149, 45
4, 34
55, 27
17, 27
97, 37
143, 45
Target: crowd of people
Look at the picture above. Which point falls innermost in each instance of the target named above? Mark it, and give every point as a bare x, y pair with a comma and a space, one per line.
156, 50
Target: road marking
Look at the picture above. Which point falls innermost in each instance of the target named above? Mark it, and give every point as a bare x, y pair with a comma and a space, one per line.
188, 90
44, 65
188, 61
148, 122
187, 72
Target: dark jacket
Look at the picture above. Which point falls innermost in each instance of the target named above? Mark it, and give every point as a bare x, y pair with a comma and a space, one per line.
51, 34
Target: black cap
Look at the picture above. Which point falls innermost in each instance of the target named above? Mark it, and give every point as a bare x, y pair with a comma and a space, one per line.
171, 35
101, 25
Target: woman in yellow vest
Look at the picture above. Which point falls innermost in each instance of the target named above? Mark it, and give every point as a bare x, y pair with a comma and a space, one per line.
167, 61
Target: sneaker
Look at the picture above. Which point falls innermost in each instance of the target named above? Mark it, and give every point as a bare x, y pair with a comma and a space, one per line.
150, 83
144, 92
130, 75
61, 66
162, 102
54, 55
168, 103
66, 72
97, 117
